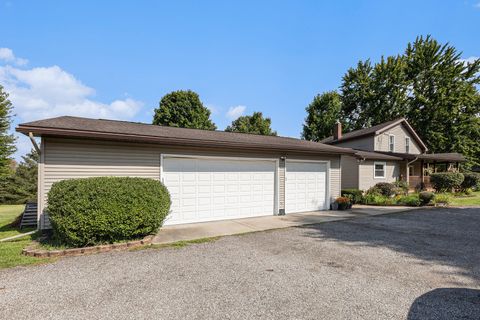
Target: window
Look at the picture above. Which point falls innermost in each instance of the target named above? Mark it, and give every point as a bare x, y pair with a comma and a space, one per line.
391, 143
411, 171
379, 169
407, 144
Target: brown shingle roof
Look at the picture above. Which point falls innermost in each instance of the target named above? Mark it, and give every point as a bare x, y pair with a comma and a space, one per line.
67, 126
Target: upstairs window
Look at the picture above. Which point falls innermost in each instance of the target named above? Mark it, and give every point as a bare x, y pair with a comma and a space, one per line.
379, 169
391, 143
407, 144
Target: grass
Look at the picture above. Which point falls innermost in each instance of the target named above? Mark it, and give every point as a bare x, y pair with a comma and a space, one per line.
470, 200
177, 245
11, 251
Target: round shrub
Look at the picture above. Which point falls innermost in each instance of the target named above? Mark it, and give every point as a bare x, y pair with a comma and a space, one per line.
354, 195
471, 181
106, 209
446, 181
425, 197
385, 189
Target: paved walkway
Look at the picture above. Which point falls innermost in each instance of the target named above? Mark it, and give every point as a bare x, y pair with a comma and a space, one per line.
192, 231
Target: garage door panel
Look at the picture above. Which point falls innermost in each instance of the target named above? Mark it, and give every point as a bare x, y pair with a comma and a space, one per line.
305, 188
215, 189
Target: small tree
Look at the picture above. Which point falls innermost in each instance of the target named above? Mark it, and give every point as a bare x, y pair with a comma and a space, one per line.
322, 114
7, 147
21, 186
255, 123
183, 109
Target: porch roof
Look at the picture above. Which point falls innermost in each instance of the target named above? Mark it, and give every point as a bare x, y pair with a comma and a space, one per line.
427, 157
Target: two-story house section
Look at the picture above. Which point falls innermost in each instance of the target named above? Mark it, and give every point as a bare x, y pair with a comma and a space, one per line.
388, 152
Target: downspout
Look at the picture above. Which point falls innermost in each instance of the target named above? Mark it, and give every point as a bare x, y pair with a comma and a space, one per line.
34, 142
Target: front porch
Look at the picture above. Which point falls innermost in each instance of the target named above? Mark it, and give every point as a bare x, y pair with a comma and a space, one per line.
418, 170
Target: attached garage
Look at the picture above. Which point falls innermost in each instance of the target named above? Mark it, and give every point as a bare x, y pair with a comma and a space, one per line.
216, 188
306, 186
211, 175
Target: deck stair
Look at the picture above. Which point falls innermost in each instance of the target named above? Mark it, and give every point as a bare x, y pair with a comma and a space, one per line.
29, 216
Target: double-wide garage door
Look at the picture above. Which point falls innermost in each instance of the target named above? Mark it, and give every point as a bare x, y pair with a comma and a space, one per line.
207, 189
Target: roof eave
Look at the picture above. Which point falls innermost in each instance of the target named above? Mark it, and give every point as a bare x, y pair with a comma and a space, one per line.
71, 133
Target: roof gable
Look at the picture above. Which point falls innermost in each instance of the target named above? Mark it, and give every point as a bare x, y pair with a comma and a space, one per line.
375, 130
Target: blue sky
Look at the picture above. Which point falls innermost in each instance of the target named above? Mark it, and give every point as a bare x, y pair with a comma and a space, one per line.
116, 59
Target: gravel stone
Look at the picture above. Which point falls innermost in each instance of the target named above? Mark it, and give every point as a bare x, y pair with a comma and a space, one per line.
423, 264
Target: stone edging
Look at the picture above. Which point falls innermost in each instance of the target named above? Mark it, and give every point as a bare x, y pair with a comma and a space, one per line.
32, 251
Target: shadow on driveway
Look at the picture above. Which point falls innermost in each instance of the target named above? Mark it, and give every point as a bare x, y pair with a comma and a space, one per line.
446, 304
450, 236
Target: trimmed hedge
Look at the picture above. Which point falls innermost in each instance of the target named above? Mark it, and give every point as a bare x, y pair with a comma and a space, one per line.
471, 181
99, 210
355, 195
446, 181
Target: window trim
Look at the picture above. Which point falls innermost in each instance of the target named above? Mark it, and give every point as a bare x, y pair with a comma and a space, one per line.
389, 143
384, 164
407, 145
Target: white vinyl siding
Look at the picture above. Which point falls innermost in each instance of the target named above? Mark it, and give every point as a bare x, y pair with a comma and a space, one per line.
366, 173
382, 141
82, 158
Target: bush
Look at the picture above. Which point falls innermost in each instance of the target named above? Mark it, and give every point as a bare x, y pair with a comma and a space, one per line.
425, 197
471, 181
401, 185
106, 209
442, 199
446, 181
373, 198
384, 188
411, 200
354, 195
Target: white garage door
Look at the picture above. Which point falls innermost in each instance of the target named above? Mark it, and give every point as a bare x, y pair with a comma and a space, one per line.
305, 186
216, 189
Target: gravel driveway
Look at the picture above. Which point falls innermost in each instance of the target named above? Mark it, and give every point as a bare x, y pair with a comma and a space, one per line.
424, 264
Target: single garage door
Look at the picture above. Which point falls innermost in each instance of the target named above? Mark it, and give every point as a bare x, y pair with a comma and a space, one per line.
305, 186
207, 189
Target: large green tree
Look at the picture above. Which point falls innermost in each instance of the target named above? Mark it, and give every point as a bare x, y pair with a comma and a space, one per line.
7, 141
21, 186
430, 85
322, 114
255, 123
183, 109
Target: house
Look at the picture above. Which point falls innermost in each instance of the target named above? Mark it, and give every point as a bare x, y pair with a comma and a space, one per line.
211, 175
388, 152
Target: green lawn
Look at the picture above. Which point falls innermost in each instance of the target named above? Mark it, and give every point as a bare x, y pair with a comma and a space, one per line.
11, 251
471, 200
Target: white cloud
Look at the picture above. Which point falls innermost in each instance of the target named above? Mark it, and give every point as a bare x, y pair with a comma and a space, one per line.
46, 92
469, 59
235, 112
7, 55
50, 91
477, 5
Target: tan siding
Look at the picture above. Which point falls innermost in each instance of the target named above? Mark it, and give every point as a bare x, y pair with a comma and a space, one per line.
281, 186
76, 158
367, 177
399, 131
349, 172
365, 143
